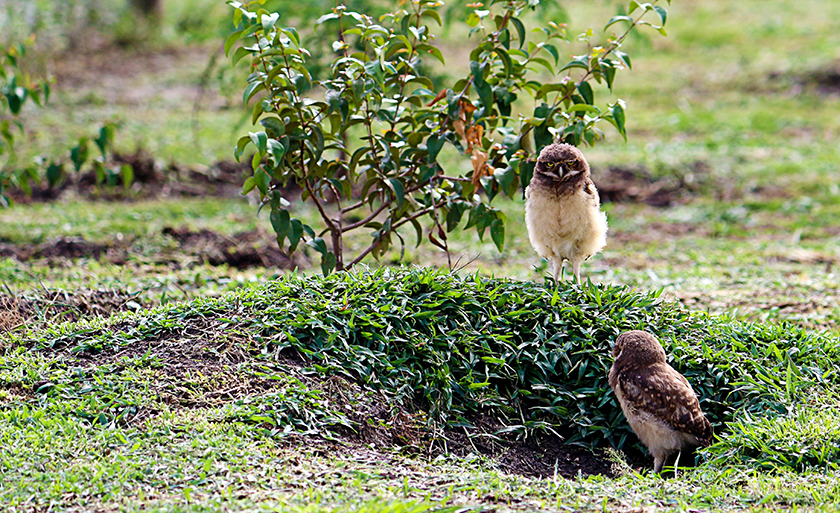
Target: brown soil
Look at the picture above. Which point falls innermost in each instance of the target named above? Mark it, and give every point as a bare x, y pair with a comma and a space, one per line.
240, 250
823, 80
61, 306
637, 185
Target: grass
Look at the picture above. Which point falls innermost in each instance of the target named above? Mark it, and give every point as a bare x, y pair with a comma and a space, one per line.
727, 101
199, 402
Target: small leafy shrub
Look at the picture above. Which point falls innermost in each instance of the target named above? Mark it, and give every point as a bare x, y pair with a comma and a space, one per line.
81, 158
16, 88
536, 357
368, 136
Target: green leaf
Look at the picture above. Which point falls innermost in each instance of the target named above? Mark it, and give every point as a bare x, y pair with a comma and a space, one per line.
106, 136
127, 175
548, 88
581, 62
616, 19
252, 89
318, 245
295, 234
260, 140
431, 13
359, 91
399, 190
618, 115
553, 51
477, 72
55, 172
231, 40
434, 51
268, 21
328, 263
505, 58
485, 93
586, 92
326, 17
240, 146
505, 178
258, 111
14, 103
79, 154
609, 73
663, 14
434, 144
582, 107
418, 230
248, 186
317, 141
262, 180
280, 221
624, 58
520, 29
526, 172
238, 55
453, 217
277, 150
275, 125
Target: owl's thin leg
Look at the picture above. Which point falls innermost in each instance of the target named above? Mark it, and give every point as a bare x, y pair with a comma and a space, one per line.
677, 463
576, 267
557, 268
658, 462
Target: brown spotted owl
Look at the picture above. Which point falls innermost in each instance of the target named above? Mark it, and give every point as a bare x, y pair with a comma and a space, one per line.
658, 402
563, 210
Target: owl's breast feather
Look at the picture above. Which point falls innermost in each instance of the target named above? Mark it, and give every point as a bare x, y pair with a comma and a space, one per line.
569, 226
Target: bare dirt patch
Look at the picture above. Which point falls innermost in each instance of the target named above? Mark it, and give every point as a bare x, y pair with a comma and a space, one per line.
824, 80
61, 306
241, 250
636, 184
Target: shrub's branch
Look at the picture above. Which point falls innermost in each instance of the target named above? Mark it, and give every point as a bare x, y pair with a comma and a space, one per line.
393, 228
366, 220
332, 227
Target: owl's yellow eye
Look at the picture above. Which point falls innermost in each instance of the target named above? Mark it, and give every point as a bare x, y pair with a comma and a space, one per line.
549, 164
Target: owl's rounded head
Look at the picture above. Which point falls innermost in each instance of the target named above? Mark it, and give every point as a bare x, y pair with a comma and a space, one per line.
560, 162
638, 347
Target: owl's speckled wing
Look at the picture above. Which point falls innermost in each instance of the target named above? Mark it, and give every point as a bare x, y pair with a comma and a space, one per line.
664, 393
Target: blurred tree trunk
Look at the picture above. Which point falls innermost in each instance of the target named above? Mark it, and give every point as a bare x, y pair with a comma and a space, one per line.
149, 8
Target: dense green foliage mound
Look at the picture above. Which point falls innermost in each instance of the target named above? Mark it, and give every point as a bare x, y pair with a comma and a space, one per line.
532, 355
808, 437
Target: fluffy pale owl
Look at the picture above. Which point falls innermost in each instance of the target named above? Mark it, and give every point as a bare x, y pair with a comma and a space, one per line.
658, 402
563, 210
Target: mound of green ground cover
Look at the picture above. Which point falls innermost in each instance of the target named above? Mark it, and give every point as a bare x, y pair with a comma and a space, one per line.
808, 437
533, 356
